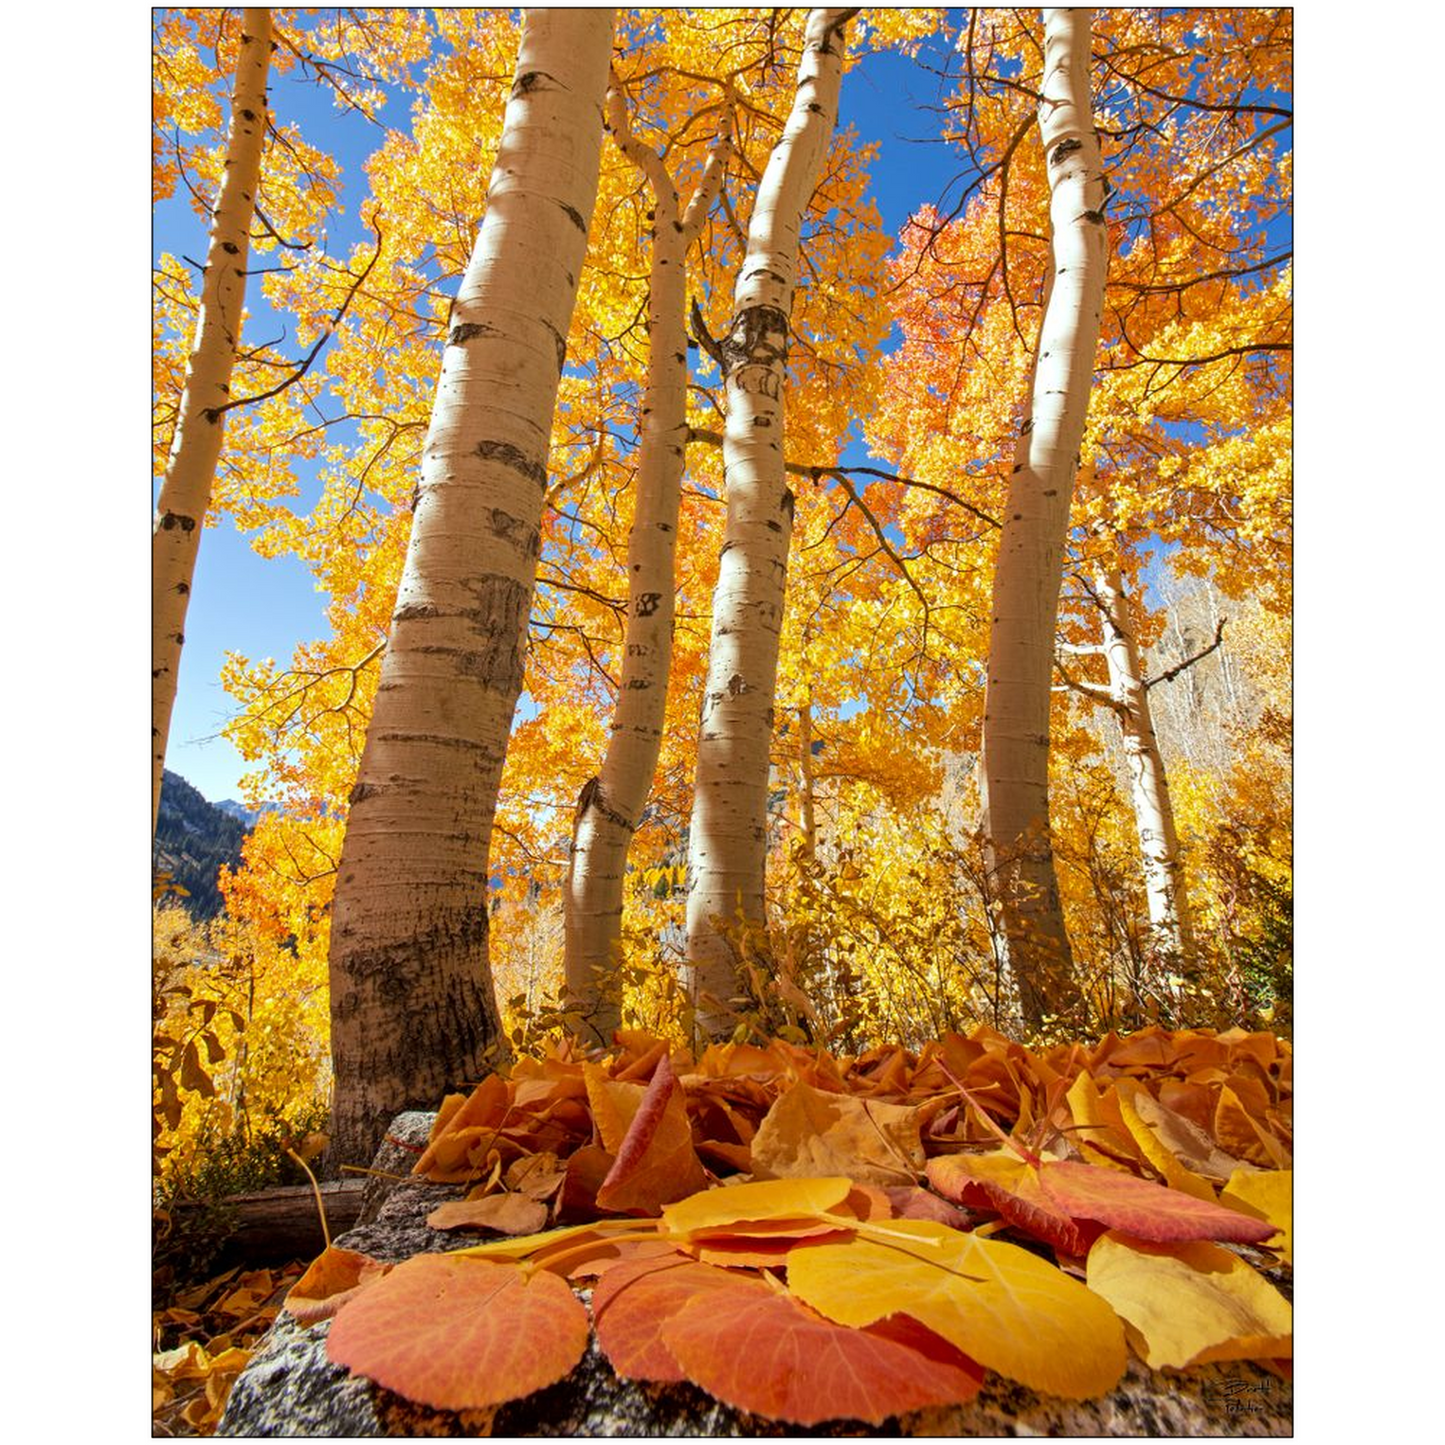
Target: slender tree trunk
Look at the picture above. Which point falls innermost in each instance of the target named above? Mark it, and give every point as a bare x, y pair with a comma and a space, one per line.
805, 757
727, 846
611, 803
412, 1005
1158, 842
1029, 571
185, 493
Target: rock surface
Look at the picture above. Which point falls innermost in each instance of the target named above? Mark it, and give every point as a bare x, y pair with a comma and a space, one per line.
291, 1389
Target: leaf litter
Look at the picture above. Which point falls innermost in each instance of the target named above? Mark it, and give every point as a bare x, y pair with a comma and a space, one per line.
810, 1238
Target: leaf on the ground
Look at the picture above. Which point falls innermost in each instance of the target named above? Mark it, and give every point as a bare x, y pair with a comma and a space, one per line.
1002, 1306
911, 1202
470, 1127
1180, 1132
1185, 1301
808, 1133
614, 1105
335, 1276
656, 1163
756, 1348
506, 1213
1239, 1131
1004, 1183
1176, 1174
459, 1334
1266, 1194
539, 1176
633, 1299
1142, 1208
587, 1167
791, 1201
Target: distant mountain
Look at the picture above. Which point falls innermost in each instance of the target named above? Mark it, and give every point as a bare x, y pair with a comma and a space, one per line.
193, 839
247, 815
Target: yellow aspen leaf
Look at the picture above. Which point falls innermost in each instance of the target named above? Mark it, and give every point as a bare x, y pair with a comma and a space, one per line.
1176, 1174
1266, 1194
1183, 1300
808, 1133
773, 1199
613, 1103
1096, 1140
1002, 1306
1183, 1138
656, 1162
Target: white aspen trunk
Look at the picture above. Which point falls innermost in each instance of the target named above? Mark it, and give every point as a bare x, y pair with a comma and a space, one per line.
1029, 569
1149, 786
805, 743
185, 494
611, 804
727, 844
412, 1005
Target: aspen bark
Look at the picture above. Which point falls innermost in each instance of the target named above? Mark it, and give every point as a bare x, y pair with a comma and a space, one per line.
412, 1006
1149, 786
611, 803
727, 844
185, 494
1029, 569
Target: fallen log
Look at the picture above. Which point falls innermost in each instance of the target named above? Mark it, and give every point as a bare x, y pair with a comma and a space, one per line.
273, 1225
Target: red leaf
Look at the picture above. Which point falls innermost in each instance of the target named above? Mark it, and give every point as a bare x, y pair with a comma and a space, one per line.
460, 1334
1144, 1209
758, 1349
656, 1163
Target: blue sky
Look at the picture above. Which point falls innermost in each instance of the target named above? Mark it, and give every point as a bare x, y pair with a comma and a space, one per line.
264, 607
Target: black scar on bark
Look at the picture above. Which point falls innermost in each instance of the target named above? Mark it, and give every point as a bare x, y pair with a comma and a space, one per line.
522, 535
737, 685
463, 332
416, 611
647, 603
361, 792
1097, 217
514, 457
172, 520
1064, 149
230, 248
575, 216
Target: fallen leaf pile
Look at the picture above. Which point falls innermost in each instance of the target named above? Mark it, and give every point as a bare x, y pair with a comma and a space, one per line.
215, 1326
810, 1238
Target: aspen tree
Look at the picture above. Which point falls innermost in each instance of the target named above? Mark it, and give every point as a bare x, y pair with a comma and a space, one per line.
1127, 697
727, 845
1015, 766
1148, 783
611, 803
412, 1004
185, 494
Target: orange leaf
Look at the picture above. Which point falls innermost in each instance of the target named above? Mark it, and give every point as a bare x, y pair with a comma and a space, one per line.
334, 1277
631, 1302
460, 1334
506, 1213
757, 1349
808, 1133
656, 1163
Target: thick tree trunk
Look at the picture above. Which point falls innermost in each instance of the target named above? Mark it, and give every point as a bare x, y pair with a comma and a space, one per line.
727, 844
1149, 786
185, 494
1029, 570
412, 1006
611, 803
